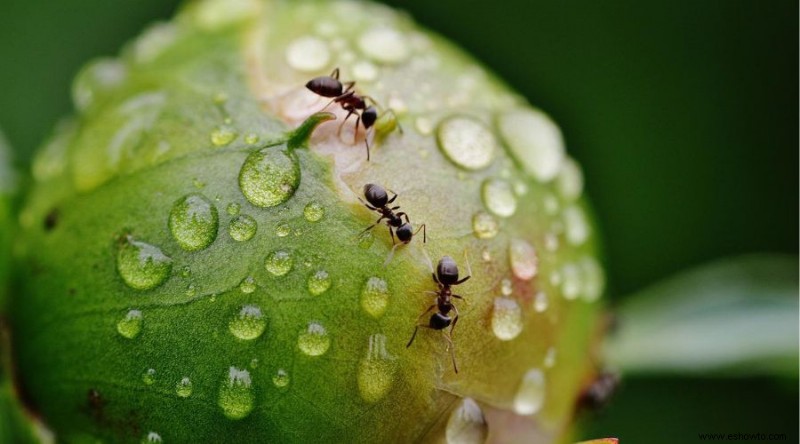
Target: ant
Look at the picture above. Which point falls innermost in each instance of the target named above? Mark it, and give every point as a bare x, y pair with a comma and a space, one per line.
379, 201
343, 93
445, 277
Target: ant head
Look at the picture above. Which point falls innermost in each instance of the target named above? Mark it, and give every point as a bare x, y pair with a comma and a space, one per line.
325, 86
404, 233
375, 195
447, 271
369, 116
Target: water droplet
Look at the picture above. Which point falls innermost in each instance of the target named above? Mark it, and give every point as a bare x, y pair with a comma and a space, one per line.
314, 340
467, 424
365, 71
375, 297
279, 262
376, 371
131, 325
199, 184
577, 228
186, 272
383, 44
308, 54
149, 376
220, 97
540, 302
142, 266
466, 142
424, 125
184, 387
281, 378
524, 262
233, 208
154, 41
571, 281
499, 197
506, 319
283, 230
242, 228
190, 290
248, 324
594, 279
484, 225
236, 394
248, 285
193, 222
550, 357
251, 139
506, 287
96, 79
319, 282
530, 394
313, 212
486, 255
152, 438
223, 135
534, 140
365, 240
570, 180
269, 177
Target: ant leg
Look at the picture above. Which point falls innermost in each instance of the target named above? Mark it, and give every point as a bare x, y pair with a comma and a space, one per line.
366, 140
400, 128
469, 270
367, 205
457, 296
461, 281
349, 113
329, 104
424, 233
355, 134
371, 226
348, 86
402, 214
392, 199
455, 319
391, 233
420, 325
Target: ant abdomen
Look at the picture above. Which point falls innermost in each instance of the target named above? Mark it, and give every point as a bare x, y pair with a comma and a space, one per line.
439, 321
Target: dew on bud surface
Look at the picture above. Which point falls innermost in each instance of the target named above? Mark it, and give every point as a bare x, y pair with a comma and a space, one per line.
149, 376
506, 319
308, 54
498, 197
236, 396
142, 266
484, 225
466, 424
280, 378
269, 177
193, 222
152, 438
375, 371
242, 228
467, 142
313, 212
248, 324
314, 340
248, 285
279, 262
523, 258
223, 135
375, 297
534, 140
184, 387
319, 282
530, 393
131, 325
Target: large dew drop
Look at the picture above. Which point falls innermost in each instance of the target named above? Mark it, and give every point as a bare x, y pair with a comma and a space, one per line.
142, 266
319, 283
375, 297
530, 393
236, 394
314, 340
248, 324
534, 140
498, 197
242, 228
131, 325
193, 222
269, 177
466, 142
466, 424
376, 371
279, 262
281, 378
384, 44
523, 258
308, 54
506, 319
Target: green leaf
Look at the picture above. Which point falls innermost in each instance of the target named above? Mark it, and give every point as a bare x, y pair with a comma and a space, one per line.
736, 316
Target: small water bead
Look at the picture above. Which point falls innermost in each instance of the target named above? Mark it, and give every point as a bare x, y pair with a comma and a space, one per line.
193, 222
375, 297
242, 228
131, 325
550, 357
248, 285
281, 378
576, 225
466, 424
384, 44
540, 302
313, 212
308, 54
248, 324
365, 71
191, 291
486, 255
376, 371
314, 340
570, 180
530, 393
223, 135
523, 258
499, 197
283, 230
506, 287
142, 266
506, 319
184, 387
152, 438
96, 79
424, 125
319, 282
269, 177
484, 225
236, 396
279, 262
149, 376
233, 209
251, 139
467, 142
220, 97
594, 279
534, 140
571, 281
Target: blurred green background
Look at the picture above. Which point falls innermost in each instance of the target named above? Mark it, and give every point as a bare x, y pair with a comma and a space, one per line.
684, 115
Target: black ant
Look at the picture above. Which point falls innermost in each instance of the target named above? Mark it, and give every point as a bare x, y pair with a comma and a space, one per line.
344, 94
446, 276
379, 201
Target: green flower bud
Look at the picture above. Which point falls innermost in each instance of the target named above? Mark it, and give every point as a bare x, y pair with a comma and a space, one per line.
205, 280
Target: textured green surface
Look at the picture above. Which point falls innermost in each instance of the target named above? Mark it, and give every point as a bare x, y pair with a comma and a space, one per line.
300, 351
